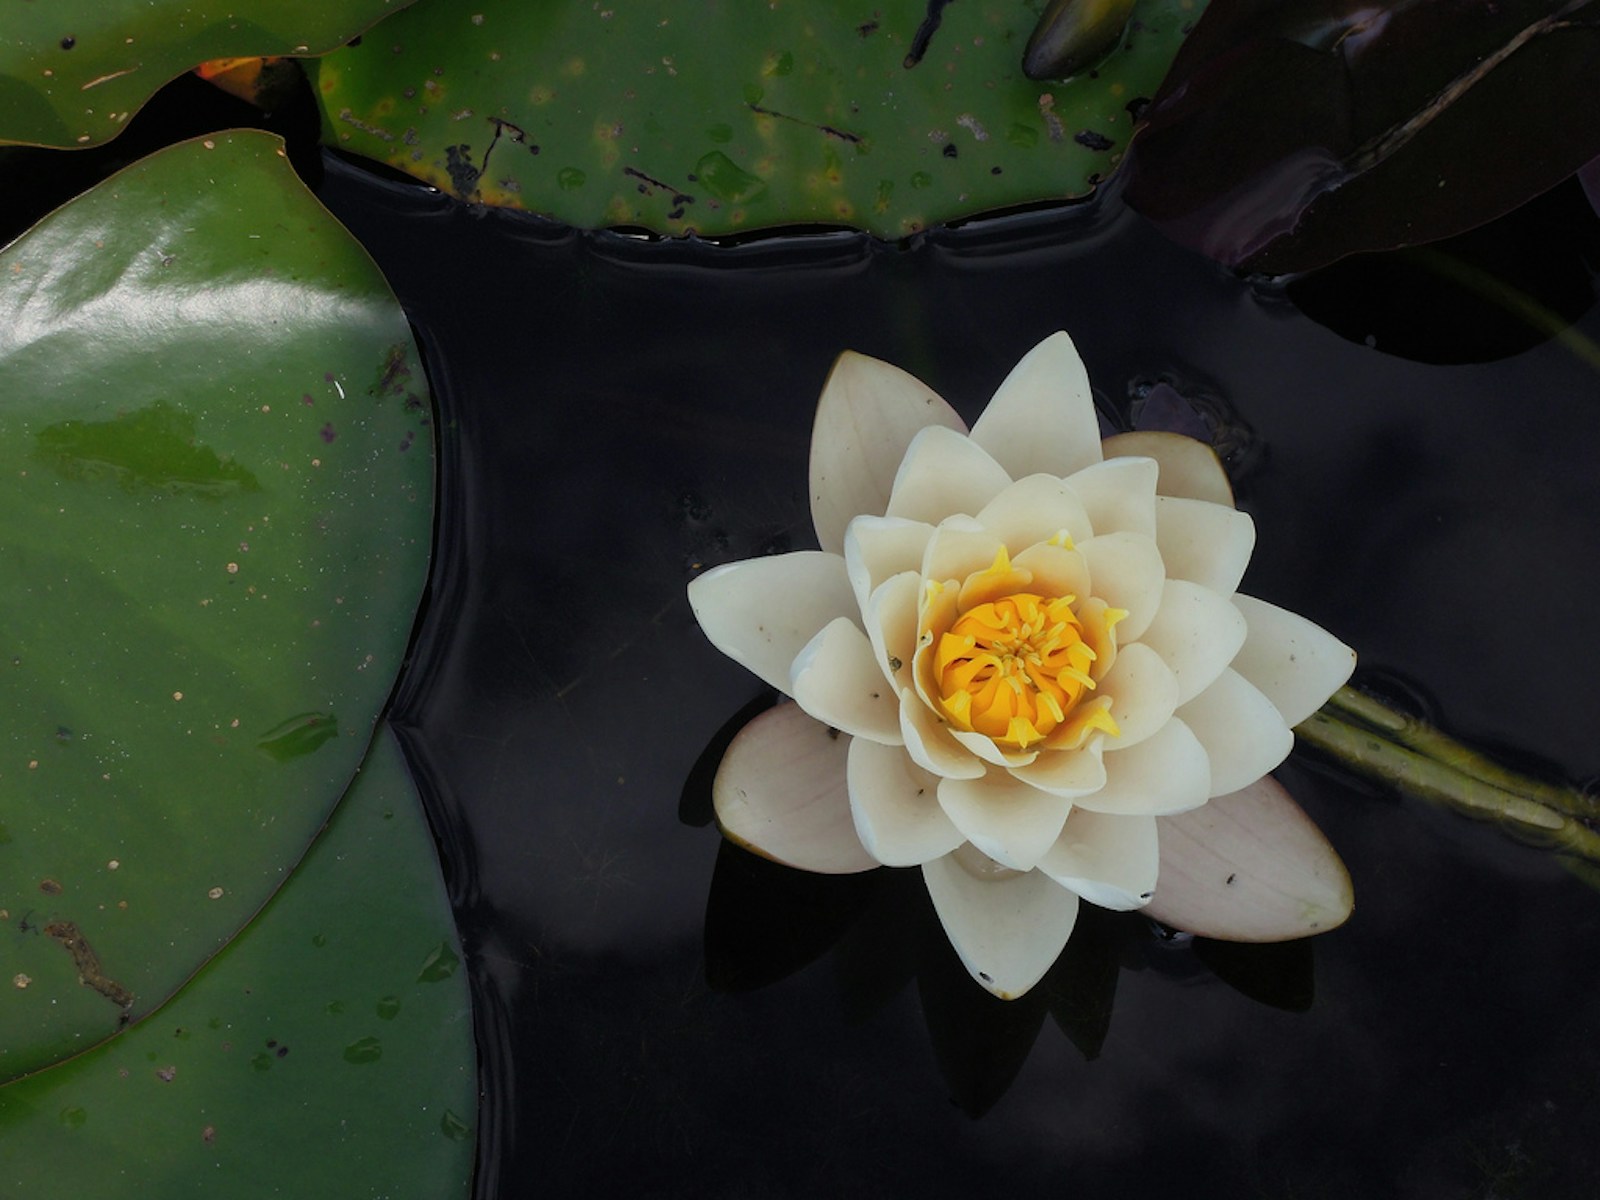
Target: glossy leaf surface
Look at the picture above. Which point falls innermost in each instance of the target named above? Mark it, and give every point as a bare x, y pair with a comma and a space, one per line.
718, 117
326, 1052
215, 518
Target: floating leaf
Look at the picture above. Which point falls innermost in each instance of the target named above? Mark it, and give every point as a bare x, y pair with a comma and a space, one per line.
214, 529
720, 118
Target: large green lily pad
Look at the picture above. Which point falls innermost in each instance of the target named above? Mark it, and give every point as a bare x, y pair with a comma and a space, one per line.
215, 516
721, 117
326, 1052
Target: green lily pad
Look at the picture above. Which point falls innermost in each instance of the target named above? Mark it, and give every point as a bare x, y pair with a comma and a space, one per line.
215, 517
315, 1056
731, 117
73, 71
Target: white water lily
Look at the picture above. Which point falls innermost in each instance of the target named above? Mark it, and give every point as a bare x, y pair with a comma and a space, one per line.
1020, 662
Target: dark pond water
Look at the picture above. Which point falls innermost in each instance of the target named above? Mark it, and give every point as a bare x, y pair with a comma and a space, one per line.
661, 1017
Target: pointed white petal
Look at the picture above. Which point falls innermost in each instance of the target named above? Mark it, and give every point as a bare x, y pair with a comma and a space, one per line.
876, 548
944, 473
1197, 633
1144, 694
761, 612
1166, 773
958, 547
1296, 664
1008, 820
1067, 773
1206, 543
867, 416
837, 680
1007, 930
1125, 571
1244, 735
891, 615
1189, 468
1056, 570
1042, 419
896, 807
781, 792
1109, 861
1119, 495
1034, 509
929, 743
984, 747
1250, 867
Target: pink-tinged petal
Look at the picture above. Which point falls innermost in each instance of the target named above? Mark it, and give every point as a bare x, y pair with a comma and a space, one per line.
761, 612
1067, 773
1168, 772
1035, 509
1243, 733
1296, 664
1189, 468
984, 747
781, 791
891, 615
1250, 867
1109, 861
876, 548
944, 473
1006, 928
1197, 633
1125, 571
1012, 823
837, 680
867, 416
1042, 419
1119, 495
958, 547
896, 807
929, 743
1205, 543
1144, 695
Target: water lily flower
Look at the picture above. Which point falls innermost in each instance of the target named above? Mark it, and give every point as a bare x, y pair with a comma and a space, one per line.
1020, 661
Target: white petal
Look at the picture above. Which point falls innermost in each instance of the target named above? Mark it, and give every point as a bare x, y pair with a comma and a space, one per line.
1189, 467
781, 791
1068, 773
1008, 820
1034, 509
1125, 571
1206, 543
944, 473
1144, 694
1197, 633
836, 679
1295, 663
1042, 419
892, 626
1244, 735
867, 416
876, 548
1007, 930
929, 743
1056, 570
985, 748
896, 807
1109, 861
958, 547
1250, 867
1119, 495
761, 612
1166, 773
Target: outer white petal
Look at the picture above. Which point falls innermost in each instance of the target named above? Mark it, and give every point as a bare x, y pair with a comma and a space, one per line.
1144, 695
1206, 543
1042, 419
1197, 633
1189, 467
944, 473
867, 416
1119, 495
1244, 735
876, 548
836, 679
1250, 867
1034, 509
1067, 773
896, 807
929, 743
1006, 819
1109, 861
1125, 571
1166, 773
891, 615
781, 791
761, 612
1007, 930
1296, 664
